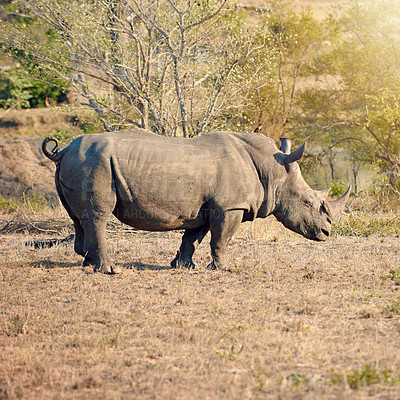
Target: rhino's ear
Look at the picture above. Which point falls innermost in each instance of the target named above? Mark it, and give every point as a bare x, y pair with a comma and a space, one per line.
295, 155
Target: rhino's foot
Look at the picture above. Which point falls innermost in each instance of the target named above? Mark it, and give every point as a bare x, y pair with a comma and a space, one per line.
109, 269
115, 269
214, 266
178, 262
88, 262
104, 268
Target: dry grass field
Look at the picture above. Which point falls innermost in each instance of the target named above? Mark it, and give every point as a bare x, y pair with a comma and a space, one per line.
289, 318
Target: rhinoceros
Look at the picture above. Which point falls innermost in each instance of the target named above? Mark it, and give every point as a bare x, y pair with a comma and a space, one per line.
207, 183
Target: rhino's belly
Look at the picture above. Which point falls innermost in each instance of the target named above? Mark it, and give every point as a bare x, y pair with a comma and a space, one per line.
156, 218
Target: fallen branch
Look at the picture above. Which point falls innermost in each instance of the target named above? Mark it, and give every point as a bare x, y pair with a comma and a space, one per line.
24, 225
44, 244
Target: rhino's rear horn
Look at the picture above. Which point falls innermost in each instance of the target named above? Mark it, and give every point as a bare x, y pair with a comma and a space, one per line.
336, 206
286, 144
295, 155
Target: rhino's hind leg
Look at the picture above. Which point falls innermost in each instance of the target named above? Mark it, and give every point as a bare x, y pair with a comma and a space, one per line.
223, 225
79, 232
80, 242
95, 246
79, 237
190, 241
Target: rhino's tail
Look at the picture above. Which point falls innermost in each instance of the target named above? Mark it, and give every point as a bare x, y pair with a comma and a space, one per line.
42, 244
53, 154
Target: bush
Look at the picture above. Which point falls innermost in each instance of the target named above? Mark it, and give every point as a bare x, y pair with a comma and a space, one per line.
34, 203
19, 91
337, 188
360, 225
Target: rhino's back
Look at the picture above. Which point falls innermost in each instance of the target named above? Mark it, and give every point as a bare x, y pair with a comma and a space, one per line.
167, 181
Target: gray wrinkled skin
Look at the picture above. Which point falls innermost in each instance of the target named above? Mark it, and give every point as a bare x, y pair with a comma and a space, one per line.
207, 183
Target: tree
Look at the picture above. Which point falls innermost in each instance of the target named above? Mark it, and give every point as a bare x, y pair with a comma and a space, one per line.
295, 38
176, 67
361, 109
18, 86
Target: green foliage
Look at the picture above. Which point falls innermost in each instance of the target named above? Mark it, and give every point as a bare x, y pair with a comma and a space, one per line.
65, 135
29, 83
394, 307
294, 39
299, 379
394, 275
4, 204
18, 89
14, 92
89, 127
88, 124
337, 188
367, 298
148, 73
34, 203
85, 123
334, 82
357, 107
360, 225
366, 376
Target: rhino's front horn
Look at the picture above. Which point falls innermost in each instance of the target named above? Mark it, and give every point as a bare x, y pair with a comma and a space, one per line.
337, 205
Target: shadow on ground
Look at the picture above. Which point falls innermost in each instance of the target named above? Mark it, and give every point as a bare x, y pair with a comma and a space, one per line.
54, 264
141, 266
135, 265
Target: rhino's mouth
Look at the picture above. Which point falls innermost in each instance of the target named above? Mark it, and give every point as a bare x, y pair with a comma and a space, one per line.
320, 236
313, 233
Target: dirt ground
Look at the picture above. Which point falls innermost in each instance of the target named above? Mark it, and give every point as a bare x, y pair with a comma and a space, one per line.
24, 170
288, 319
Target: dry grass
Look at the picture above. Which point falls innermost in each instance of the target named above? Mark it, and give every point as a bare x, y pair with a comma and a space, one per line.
288, 319
44, 121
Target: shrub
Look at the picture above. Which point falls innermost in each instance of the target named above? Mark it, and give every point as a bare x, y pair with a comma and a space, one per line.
337, 188
365, 376
359, 225
34, 203
20, 91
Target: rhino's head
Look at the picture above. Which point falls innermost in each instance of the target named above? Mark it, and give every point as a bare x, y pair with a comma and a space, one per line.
300, 208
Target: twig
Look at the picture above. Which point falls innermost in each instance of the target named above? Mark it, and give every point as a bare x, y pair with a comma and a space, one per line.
8, 109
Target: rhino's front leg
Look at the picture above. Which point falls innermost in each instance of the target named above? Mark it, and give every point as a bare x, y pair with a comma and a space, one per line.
223, 225
190, 241
95, 246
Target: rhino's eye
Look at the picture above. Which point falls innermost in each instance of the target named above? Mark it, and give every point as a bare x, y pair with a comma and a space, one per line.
325, 210
307, 203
